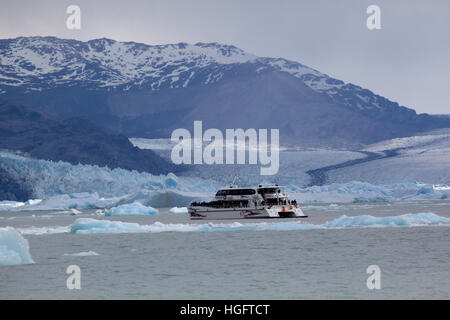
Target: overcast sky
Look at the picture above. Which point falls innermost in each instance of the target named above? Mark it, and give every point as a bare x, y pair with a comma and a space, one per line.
407, 60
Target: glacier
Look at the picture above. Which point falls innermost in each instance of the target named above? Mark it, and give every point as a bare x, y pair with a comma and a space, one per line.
130, 209
61, 185
94, 226
50, 178
424, 158
14, 248
357, 191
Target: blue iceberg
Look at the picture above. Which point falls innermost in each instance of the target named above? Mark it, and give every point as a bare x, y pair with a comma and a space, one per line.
410, 219
131, 209
94, 226
14, 249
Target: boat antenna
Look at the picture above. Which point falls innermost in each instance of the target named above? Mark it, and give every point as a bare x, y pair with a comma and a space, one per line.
234, 180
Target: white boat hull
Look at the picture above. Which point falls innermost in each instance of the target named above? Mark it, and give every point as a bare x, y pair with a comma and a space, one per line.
205, 213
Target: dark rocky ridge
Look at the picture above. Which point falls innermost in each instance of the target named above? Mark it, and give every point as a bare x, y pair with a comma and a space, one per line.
74, 140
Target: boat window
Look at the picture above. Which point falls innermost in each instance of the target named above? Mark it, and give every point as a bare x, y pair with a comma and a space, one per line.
235, 192
268, 190
223, 204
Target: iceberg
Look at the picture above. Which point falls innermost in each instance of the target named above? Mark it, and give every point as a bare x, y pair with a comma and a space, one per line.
165, 198
74, 212
82, 254
178, 210
74, 201
131, 209
410, 219
31, 202
367, 199
77, 201
14, 248
7, 205
94, 226
44, 230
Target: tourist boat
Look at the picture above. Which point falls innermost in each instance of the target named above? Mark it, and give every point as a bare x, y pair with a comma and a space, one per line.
233, 202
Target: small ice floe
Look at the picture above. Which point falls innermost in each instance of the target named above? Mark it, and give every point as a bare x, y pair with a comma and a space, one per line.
178, 210
131, 209
6, 204
32, 202
44, 230
409, 219
74, 212
17, 205
82, 254
14, 249
441, 187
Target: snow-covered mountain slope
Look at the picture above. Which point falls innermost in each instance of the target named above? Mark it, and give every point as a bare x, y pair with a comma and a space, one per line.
39, 63
148, 90
108, 63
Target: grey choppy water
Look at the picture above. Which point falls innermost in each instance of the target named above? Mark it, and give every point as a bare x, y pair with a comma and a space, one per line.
301, 264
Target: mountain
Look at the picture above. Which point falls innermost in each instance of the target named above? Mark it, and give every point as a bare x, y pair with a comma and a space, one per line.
73, 140
149, 90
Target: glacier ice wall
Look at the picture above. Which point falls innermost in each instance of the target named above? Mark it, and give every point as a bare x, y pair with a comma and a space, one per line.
51, 178
60, 185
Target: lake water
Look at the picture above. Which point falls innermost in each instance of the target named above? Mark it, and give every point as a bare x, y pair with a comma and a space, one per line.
273, 259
